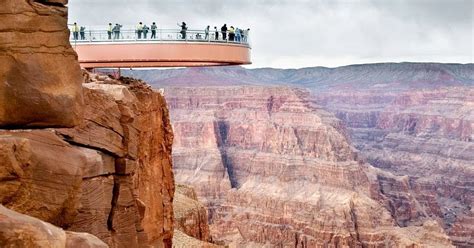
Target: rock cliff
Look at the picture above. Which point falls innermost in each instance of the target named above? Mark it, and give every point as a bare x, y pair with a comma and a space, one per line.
99, 157
109, 176
275, 169
191, 220
40, 79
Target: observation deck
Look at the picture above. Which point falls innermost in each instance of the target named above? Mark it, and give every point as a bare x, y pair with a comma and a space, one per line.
169, 48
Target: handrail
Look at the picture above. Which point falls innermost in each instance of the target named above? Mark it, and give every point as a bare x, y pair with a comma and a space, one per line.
127, 35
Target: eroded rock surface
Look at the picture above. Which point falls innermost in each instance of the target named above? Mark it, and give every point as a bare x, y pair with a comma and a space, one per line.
276, 170
190, 220
19, 230
109, 176
40, 79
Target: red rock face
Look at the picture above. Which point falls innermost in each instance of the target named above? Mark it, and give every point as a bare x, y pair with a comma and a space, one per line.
275, 169
425, 134
39, 75
128, 122
191, 228
18, 230
110, 176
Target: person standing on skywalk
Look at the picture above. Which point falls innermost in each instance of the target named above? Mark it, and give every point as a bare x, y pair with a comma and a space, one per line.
153, 30
139, 30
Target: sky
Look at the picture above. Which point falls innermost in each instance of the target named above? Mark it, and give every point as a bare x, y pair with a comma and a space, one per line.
306, 33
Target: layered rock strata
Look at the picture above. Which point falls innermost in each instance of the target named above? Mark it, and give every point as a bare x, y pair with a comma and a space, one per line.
424, 134
109, 176
40, 79
276, 170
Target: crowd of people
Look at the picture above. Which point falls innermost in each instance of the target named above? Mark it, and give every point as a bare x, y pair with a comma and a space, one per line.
227, 34
142, 30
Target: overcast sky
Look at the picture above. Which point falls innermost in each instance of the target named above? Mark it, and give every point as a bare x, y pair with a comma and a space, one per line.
303, 33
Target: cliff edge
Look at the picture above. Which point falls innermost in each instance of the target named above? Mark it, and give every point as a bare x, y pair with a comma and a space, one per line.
83, 152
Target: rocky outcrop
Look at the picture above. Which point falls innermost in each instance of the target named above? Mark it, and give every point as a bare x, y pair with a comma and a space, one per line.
40, 79
190, 220
109, 176
18, 230
276, 170
107, 172
126, 125
425, 135
189, 214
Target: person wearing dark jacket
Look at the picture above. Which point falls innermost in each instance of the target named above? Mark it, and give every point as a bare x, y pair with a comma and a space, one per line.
145, 31
183, 30
110, 29
82, 31
216, 33
224, 32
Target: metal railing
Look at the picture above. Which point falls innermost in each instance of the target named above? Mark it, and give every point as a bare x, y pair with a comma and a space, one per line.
129, 35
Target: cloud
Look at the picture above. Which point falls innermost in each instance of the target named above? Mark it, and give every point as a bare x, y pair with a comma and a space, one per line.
313, 32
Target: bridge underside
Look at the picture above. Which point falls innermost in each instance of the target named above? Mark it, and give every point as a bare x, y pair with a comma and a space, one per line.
160, 54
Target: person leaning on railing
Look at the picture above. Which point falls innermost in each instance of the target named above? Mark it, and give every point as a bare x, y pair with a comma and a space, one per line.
238, 34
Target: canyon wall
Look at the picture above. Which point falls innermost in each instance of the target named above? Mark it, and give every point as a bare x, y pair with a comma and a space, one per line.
426, 134
275, 169
413, 120
109, 176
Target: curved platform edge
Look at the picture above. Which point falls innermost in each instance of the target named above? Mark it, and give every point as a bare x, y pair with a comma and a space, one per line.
160, 54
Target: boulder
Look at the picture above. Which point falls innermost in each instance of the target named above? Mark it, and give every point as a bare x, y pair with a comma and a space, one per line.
40, 79
19, 230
